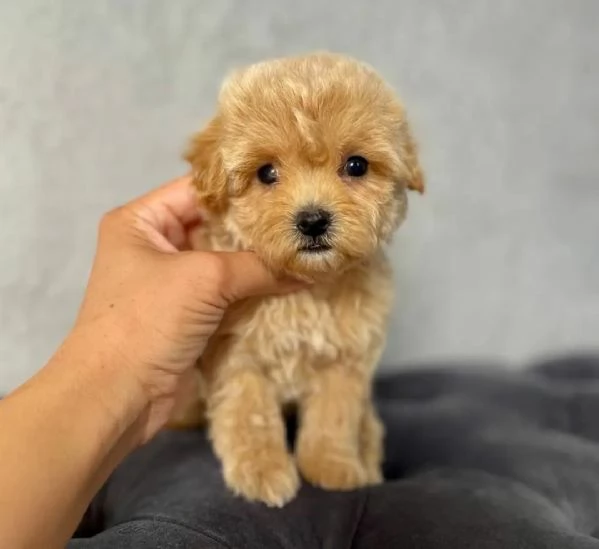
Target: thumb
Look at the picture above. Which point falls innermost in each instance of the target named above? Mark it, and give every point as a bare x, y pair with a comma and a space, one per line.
247, 276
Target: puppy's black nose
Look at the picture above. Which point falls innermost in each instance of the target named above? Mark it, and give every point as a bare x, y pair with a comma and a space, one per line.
313, 222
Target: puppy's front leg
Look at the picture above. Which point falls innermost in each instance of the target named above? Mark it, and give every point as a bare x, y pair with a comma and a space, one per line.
371, 444
248, 434
328, 445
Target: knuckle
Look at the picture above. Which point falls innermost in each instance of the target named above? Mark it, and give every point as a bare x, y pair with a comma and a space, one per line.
216, 271
216, 268
116, 221
111, 218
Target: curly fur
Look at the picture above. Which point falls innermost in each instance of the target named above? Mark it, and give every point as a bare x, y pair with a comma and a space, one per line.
317, 348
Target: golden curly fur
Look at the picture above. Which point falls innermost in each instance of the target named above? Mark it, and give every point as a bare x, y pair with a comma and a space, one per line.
303, 117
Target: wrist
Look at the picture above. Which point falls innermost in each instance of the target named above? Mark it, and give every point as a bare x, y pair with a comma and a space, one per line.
96, 373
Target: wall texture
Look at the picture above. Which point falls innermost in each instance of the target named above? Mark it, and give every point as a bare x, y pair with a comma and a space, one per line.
501, 258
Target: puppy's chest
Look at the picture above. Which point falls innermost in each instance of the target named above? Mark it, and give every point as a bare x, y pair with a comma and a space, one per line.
297, 328
291, 338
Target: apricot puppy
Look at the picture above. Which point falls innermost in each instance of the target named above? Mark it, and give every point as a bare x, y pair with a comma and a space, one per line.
307, 162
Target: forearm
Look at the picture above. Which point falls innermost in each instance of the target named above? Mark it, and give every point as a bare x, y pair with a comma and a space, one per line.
62, 434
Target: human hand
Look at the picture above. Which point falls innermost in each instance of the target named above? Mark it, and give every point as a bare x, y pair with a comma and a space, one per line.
151, 303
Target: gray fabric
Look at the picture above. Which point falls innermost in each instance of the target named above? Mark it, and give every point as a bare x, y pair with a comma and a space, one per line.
499, 259
490, 460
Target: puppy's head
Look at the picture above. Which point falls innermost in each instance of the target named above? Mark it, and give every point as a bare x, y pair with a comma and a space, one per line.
309, 160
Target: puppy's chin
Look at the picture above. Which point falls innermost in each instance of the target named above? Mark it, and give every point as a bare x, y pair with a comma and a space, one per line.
311, 264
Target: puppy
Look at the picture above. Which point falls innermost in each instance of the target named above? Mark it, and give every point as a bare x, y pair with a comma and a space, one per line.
307, 162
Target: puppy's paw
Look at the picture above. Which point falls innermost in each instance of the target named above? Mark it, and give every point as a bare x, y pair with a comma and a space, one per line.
271, 478
374, 475
333, 470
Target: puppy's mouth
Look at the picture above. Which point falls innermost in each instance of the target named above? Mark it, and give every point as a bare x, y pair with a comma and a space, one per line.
315, 247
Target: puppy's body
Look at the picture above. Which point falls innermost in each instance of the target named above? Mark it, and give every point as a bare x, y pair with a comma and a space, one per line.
306, 163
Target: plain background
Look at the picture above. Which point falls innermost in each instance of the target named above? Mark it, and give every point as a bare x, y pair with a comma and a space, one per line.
499, 259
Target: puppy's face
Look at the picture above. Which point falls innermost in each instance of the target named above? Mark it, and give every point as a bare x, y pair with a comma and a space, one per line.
309, 160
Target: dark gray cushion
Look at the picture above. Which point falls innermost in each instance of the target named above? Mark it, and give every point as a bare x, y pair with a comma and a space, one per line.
477, 458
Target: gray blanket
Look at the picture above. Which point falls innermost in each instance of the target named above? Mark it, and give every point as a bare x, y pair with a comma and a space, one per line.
474, 461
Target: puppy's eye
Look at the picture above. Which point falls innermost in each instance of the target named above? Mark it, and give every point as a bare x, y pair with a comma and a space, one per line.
355, 166
268, 174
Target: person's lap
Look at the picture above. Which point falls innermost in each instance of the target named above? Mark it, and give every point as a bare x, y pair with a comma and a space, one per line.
175, 484
474, 461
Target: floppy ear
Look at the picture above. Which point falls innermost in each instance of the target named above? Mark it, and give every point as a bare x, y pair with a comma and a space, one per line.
412, 162
208, 171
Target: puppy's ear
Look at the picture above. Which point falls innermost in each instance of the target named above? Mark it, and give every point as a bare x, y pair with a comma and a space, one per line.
410, 157
209, 175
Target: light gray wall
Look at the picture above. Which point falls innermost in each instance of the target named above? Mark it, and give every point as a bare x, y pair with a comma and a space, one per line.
501, 257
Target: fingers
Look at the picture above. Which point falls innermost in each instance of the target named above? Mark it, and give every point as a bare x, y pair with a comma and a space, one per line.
164, 216
176, 198
178, 195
